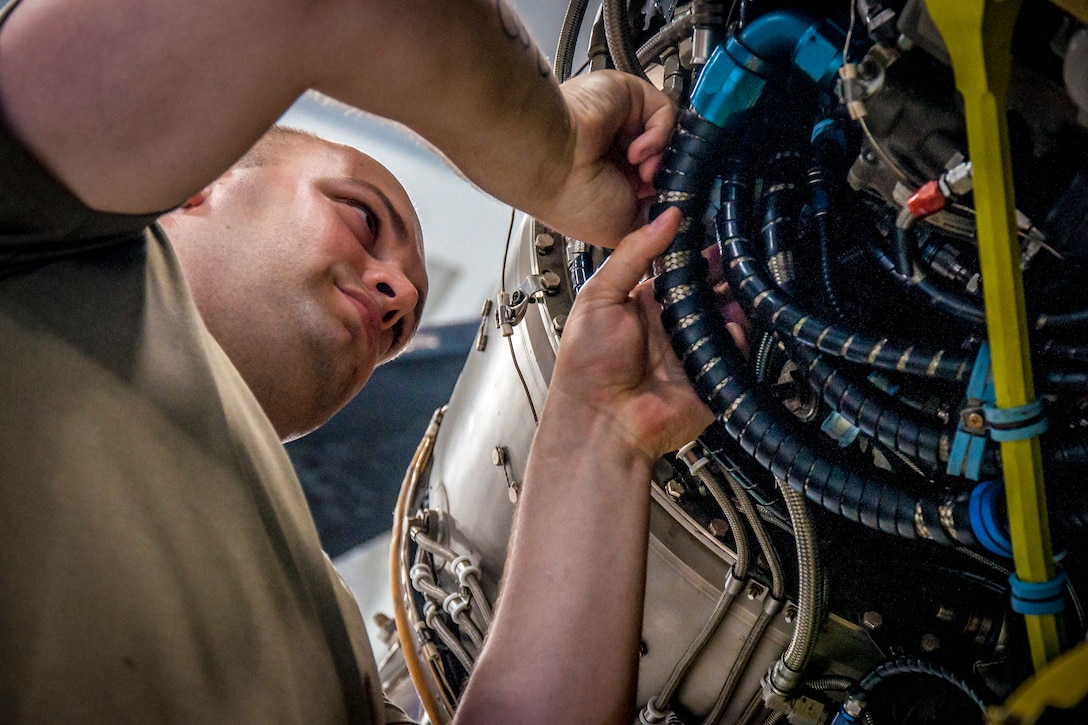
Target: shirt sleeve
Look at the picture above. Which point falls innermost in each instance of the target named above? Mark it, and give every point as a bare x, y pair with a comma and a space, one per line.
41, 219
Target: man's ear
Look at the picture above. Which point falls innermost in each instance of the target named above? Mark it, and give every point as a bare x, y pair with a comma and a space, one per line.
196, 199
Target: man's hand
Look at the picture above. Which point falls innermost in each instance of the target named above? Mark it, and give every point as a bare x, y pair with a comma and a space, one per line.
620, 128
616, 357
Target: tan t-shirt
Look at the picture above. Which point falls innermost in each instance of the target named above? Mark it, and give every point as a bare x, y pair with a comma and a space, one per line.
158, 562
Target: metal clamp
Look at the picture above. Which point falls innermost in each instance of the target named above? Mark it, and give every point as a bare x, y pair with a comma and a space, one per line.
512, 306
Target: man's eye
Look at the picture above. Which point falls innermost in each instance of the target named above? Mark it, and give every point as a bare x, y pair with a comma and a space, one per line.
367, 215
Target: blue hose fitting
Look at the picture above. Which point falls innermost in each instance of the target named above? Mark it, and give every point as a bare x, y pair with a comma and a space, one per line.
987, 523
734, 78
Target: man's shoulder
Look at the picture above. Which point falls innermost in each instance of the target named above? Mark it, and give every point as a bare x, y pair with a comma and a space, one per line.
36, 208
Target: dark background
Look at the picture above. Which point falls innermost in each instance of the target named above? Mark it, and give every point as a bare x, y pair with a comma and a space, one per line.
352, 467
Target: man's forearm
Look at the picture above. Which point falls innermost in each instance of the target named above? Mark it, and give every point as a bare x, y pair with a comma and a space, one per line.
564, 645
136, 104
474, 84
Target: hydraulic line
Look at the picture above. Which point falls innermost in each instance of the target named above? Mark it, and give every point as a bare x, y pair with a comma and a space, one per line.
617, 31
715, 367
579, 263
820, 201
403, 607
830, 683
668, 37
771, 605
785, 675
781, 196
568, 38
658, 707
873, 411
1056, 351
1062, 321
717, 371
456, 605
772, 306
918, 283
459, 566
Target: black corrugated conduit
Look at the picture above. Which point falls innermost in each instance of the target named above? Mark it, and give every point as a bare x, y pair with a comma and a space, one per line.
918, 284
761, 427
781, 199
858, 697
878, 415
774, 308
820, 203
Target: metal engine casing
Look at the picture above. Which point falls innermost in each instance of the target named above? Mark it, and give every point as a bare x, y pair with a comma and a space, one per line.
470, 484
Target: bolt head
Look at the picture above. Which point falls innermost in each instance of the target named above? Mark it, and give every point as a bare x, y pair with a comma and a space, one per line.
551, 282
718, 527
872, 620
544, 243
498, 456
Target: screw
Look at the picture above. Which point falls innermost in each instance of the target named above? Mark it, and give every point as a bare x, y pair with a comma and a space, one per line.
498, 456
545, 243
930, 643
871, 620
558, 323
973, 420
790, 614
755, 590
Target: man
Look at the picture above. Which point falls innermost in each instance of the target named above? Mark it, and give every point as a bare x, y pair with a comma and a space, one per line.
159, 563
339, 236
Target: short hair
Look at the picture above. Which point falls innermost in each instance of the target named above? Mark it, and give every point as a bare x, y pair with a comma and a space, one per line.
274, 145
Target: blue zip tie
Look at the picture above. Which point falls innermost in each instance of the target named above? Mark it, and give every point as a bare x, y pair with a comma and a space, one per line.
985, 523
1038, 598
1018, 423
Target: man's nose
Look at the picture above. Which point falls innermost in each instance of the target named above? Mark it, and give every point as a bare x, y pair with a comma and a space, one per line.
397, 296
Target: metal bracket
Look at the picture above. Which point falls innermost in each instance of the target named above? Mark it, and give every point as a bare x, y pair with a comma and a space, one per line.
512, 305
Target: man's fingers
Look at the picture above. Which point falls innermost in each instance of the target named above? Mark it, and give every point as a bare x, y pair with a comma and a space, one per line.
632, 257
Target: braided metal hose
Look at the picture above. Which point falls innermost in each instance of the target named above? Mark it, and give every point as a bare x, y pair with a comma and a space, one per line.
568, 38
617, 31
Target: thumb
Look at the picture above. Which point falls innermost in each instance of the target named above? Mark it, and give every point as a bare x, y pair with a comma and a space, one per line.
631, 259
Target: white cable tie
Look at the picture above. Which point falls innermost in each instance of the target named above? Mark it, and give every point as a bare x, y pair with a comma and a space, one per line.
687, 447
462, 566
694, 468
430, 611
455, 604
653, 715
464, 574
418, 572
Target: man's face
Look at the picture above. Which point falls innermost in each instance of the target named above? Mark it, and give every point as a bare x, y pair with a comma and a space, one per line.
309, 272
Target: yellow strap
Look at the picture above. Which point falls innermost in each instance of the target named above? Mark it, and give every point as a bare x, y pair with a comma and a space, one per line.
978, 34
